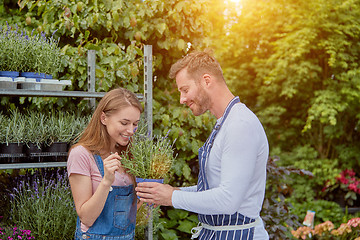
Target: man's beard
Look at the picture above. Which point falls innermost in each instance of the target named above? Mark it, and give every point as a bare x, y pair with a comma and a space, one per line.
201, 103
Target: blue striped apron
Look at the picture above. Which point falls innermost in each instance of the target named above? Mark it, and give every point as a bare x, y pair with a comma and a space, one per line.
235, 219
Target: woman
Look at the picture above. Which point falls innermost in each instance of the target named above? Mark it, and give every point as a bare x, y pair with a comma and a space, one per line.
103, 192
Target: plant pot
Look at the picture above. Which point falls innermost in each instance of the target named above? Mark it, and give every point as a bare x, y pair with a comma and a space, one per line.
12, 148
32, 148
139, 180
11, 74
57, 147
37, 76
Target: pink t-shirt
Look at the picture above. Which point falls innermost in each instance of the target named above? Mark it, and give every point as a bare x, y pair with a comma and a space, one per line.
81, 161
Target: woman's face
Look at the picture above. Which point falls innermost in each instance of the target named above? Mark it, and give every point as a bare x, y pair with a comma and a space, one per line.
121, 125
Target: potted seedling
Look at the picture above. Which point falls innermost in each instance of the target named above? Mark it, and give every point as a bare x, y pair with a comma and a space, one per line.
43, 58
12, 49
14, 135
59, 133
34, 135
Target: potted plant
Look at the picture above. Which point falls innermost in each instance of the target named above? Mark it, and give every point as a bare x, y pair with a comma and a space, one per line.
14, 136
28, 55
34, 136
58, 131
149, 158
12, 50
42, 58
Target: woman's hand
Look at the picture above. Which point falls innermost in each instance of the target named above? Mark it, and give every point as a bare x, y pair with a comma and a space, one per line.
111, 164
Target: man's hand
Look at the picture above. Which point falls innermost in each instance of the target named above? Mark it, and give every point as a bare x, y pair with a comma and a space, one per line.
155, 193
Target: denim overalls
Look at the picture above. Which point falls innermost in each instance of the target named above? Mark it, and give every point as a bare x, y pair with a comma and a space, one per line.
213, 231
118, 218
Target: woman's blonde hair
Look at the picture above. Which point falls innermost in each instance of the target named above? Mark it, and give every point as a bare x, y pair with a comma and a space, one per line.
95, 136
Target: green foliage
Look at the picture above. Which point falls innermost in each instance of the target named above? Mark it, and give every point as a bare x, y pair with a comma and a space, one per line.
294, 63
35, 128
177, 224
305, 157
276, 212
300, 75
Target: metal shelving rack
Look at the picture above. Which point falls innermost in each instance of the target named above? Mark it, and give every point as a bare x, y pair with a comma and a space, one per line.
91, 94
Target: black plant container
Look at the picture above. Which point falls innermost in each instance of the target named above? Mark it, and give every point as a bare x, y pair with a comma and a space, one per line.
57, 147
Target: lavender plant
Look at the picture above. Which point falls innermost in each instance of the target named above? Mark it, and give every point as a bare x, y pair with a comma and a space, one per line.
149, 157
23, 52
45, 206
14, 131
12, 49
43, 55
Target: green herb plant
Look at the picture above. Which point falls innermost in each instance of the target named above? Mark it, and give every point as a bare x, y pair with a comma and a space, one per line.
3, 124
23, 52
59, 128
12, 48
35, 130
15, 129
149, 157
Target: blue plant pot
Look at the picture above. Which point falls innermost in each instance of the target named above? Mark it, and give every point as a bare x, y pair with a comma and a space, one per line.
139, 180
37, 76
11, 74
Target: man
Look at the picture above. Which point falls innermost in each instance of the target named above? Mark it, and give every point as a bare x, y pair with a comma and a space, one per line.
232, 176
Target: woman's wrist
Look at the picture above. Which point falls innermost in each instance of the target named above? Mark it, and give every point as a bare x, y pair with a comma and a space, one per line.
106, 183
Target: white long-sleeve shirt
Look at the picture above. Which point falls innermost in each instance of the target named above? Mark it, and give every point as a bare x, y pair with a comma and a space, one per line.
235, 171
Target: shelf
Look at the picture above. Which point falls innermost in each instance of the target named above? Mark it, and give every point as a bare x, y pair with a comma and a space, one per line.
38, 93
32, 165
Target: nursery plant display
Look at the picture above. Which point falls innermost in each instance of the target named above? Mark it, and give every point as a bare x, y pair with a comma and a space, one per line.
23, 52
32, 134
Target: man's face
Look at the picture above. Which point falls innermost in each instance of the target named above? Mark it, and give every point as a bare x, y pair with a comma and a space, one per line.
192, 93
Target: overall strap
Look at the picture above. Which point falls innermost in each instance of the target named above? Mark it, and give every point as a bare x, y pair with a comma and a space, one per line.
99, 163
218, 125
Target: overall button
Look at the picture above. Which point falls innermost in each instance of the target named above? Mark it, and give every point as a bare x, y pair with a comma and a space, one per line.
111, 188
